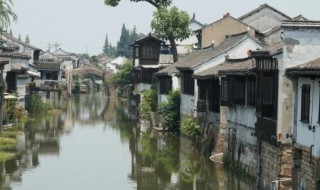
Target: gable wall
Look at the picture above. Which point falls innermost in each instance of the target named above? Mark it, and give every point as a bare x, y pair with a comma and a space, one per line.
218, 30
264, 19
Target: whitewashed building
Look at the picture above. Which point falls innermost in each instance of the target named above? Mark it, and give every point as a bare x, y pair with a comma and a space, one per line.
300, 96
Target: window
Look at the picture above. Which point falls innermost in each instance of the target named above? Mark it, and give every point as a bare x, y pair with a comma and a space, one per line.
150, 51
214, 96
224, 91
165, 84
267, 95
251, 91
187, 82
239, 90
48, 94
319, 110
202, 89
305, 103
137, 51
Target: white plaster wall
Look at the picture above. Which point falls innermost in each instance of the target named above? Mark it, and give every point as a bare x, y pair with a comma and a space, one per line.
213, 117
68, 65
187, 104
304, 135
162, 98
239, 51
264, 19
300, 46
175, 86
142, 86
21, 86
175, 82
242, 115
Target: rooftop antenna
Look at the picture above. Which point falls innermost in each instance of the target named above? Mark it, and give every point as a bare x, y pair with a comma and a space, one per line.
56, 45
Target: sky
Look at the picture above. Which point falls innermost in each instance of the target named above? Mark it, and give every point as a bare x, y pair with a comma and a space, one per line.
80, 26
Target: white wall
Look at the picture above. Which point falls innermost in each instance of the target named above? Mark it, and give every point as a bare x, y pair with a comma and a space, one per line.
304, 135
187, 105
301, 45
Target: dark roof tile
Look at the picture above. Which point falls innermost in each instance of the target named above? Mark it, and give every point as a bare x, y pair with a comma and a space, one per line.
311, 68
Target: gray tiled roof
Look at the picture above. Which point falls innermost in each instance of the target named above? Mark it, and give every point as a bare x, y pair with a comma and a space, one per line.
45, 65
230, 66
12, 38
14, 55
259, 9
167, 70
198, 57
275, 48
301, 23
309, 68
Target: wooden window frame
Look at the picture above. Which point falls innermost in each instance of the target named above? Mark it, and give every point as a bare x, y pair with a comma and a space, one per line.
305, 103
187, 82
165, 84
224, 91
251, 91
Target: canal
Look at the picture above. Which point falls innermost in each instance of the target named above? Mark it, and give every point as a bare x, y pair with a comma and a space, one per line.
95, 143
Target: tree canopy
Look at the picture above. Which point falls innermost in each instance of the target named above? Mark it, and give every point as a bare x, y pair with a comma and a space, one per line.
156, 3
6, 14
171, 24
27, 40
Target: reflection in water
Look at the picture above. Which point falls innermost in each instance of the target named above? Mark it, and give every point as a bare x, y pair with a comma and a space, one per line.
97, 144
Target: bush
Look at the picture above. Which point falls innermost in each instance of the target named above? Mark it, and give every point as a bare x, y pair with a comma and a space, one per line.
149, 102
170, 111
190, 127
36, 106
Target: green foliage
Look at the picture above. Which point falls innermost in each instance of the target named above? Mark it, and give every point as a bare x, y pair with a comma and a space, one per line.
122, 45
156, 3
6, 14
149, 102
190, 127
108, 49
76, 88
27, 40
7, 143
6, 156
170, 111
123, 76
36, 106
171, 24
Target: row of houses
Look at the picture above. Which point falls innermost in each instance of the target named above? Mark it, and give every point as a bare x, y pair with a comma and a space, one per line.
255, 80
22, 64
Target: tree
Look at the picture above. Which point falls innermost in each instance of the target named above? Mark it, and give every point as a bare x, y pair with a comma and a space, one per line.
27, 40
171, 24
6, 14
155, 3
177, 30
106, 45
123, 42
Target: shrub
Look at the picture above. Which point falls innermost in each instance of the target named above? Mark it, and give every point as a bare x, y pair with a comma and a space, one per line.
36, 106
190, 127
170, 111
148, 103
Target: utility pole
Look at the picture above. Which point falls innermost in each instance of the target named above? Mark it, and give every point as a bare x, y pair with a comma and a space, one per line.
49, 46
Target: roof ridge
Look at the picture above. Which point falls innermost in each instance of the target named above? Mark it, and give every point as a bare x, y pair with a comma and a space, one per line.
260, 8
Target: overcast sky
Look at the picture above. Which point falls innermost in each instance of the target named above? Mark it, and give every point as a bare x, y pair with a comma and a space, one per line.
80, 26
